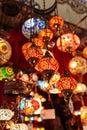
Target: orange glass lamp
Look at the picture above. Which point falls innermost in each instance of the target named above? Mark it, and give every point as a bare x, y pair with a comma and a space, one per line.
78, 65
38, 42
25, 48
32, 53
56, 22
47, 65
68, 42
45, 35
66, 85
84, 52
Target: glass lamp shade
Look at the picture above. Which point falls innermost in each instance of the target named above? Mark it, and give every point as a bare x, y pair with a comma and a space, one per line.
25, 48
32, 54
53, 83
80, 88
56, 22
68, 42
29, 106
84, 52
43, 84
6, 73
32, 26
66, 83
6, 114
19, 126
83, 115
38, 42
29, 27
47, 64
45, 35
5, 51
78, 65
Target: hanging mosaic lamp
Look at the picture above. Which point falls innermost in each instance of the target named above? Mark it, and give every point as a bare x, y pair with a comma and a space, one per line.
25, 49
47, 66
28, 27
78, 65
80, 88
32, 26
38, 42
45, 35
43, 85
56, 22
66, 85
32, 53
83, 114
19, 126
6, 114
6, 73
5, 51
84, 52
40, 24
53, 83
68, 42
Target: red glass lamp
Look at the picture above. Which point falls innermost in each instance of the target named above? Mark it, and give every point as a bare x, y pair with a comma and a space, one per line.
47, 66
66, 85
68, 42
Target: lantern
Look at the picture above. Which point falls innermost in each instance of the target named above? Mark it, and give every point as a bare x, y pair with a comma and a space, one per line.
83, 114
29, 27
31, 53
45, 35
6, 73
47, 63
19, 126
80, 88
84, 52
43, 84
66, 85
6, 114
5, 51
56, 23
53, 83
25, 49
68, 42
38, 42
29, 106
78, 65
32, 26
47, 66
